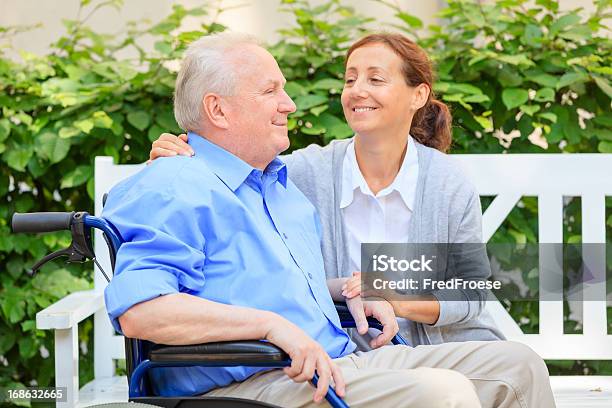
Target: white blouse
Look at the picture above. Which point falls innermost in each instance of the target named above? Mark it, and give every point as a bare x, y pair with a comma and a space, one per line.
382, 217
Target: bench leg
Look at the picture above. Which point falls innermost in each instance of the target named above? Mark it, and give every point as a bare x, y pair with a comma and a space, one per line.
67, 364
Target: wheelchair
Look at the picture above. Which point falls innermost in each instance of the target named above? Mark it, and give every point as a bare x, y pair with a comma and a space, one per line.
142, 356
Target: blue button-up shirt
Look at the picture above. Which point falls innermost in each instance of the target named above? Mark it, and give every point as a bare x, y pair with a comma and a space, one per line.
215, 227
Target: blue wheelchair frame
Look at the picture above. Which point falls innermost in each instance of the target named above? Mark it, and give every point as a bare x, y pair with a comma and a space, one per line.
141, 356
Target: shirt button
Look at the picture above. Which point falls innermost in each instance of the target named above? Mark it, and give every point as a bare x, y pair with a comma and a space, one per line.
310, 275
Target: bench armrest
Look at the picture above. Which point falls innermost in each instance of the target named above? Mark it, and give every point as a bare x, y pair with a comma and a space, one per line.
69, 311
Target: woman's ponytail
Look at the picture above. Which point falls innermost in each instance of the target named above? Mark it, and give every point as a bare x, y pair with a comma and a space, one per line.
432, 125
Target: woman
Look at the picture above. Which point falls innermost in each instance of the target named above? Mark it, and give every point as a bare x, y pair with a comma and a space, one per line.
391, 182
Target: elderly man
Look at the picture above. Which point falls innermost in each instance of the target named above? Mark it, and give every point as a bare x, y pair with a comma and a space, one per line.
223, 246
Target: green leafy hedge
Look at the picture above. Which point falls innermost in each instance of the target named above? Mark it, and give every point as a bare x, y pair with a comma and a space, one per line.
506, 70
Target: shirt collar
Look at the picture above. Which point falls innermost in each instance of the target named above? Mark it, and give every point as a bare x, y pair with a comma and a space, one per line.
404, 183
230, 169
278, 167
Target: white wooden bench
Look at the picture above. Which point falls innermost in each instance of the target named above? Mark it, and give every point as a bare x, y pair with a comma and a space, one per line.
508, 177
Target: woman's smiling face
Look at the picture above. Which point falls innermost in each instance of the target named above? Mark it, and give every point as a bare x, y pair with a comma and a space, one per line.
375, 95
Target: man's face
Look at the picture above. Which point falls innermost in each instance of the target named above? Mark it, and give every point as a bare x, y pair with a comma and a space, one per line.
257, 112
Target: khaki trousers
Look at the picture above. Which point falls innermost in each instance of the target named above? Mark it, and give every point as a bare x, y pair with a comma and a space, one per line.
469, 374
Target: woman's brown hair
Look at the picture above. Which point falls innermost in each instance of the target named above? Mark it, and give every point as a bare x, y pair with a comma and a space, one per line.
431, 125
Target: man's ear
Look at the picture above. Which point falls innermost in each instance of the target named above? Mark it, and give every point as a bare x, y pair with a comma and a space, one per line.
213, 109
421, 95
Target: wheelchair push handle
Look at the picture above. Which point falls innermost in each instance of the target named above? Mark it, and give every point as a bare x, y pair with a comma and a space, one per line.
42, 222
80, 249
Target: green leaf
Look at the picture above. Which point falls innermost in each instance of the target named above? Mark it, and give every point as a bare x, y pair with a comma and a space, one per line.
166, 120
24, 203
514, 97
6, 243
477, 98
318, 61
139, 119
294, 89
549, 116
4, 186
603, 120
7, 341
68, 131
485, 123
532, 36
124, 70
475, 17
15, 267
544, 80
577, 34
309, 101
163, 47
77, 177
312, 130
545, 95
5, 129
519, 237
409, 19
552, 5
518, 59
564, 22
509, 78
335, 127
52, 147
27, 347
604, 85
602, 70
28, 325
37, 166
59, 283
102, 120
90, 187
155, 132
604, 146
529, 109
317, 110
571, 78
84, 125
328, 83
13, 305
18, 156
454, 87
603, 134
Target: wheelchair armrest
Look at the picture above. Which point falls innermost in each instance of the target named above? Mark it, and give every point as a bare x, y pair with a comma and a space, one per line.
234, 352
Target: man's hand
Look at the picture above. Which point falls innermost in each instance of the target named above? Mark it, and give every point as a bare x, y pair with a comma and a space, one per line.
306, 356
379, 309
168, 145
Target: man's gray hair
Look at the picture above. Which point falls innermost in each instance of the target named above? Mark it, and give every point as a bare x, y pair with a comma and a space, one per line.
205, 68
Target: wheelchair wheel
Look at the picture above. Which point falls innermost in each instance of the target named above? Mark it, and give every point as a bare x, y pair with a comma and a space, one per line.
123, 405
222, 402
